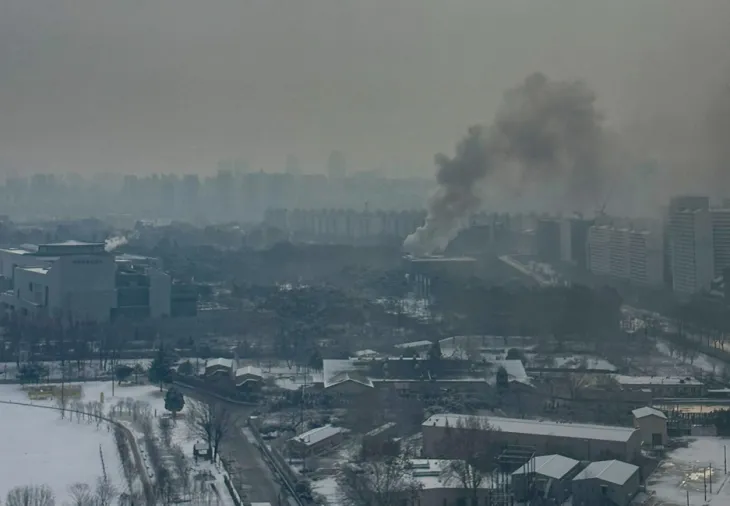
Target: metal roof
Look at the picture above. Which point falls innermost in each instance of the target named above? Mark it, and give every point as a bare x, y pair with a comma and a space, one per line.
656, 380
541, 427
610, 471
221, 362
647, 411
317, 435
552, 466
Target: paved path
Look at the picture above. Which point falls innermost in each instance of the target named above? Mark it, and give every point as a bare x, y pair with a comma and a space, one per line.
249, 472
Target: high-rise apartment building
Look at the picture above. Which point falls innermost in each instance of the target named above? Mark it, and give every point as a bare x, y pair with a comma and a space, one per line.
691, 244
720, 240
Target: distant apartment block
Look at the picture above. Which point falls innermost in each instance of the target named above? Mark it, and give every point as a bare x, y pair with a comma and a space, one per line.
691, 245
624, 253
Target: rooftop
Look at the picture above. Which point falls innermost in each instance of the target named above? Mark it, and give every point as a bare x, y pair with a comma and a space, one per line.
610, 471
73, 243
414, 344
552, 466
37, 270
541, 427
219, 362
314, 436
647, 411
429, 473
656, 380
249, 370
442, 259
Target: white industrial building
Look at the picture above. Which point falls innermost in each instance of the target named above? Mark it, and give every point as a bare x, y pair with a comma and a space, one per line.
78, 281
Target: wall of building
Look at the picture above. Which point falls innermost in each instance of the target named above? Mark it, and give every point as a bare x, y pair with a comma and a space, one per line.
160, 293
580, 449
589, 492
650, 425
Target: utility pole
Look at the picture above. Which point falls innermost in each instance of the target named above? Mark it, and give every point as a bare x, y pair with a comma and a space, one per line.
710, 478
704, 481
724, 456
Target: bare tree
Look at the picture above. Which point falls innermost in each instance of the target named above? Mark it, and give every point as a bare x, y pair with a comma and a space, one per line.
576, 383
105, 492
472, 445
384, 482
81, 495
210, 421
62, 402
165, 426
30, 495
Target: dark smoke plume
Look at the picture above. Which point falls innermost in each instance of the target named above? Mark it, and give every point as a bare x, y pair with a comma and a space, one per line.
547, 131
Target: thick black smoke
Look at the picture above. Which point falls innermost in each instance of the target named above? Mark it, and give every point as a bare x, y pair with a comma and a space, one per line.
548, 131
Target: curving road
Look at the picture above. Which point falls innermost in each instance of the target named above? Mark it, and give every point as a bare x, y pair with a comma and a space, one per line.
250, 473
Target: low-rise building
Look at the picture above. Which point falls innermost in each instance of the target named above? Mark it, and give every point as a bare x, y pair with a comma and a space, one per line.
663, 386
652, 424
315, 441
436, 489
609, 482
219, 366
546, 476
248, 377
576, 440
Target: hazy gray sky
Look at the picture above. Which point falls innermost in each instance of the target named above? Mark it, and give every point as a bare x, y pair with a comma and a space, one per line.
175, 85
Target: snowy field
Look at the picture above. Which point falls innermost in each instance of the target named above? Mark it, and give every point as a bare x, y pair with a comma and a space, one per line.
46, 449
40, 448
683, 471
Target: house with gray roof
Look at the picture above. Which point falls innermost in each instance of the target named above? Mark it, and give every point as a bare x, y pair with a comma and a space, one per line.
609, 482
546, 476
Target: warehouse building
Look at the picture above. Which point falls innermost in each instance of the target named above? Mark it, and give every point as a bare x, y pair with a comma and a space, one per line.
546, 476
316, 441
652, 424
607, 482
576, 440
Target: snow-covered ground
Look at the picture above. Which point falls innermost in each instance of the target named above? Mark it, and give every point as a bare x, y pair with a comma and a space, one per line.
683, 471
40, 448
59, 452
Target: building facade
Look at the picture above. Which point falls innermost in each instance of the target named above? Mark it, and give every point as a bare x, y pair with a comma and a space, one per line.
691, 244
575, 440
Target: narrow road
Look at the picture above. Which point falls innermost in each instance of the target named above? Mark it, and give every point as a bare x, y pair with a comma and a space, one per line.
249, 472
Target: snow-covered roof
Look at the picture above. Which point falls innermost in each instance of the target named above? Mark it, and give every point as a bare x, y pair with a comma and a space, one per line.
541, 427
219, 362
414, 344
515, 371
552, 466
429, 474
656, 380
317, 435
610, 471
335, 372
249, 370
647, 411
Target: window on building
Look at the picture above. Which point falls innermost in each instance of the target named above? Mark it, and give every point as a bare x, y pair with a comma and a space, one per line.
30, 286
461, 501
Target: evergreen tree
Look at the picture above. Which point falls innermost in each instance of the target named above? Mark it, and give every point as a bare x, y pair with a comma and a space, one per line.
174, 401
160, 370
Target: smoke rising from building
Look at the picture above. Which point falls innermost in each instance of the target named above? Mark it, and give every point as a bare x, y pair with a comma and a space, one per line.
545, 131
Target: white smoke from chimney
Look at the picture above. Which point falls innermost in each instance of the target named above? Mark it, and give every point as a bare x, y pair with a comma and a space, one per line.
113, 243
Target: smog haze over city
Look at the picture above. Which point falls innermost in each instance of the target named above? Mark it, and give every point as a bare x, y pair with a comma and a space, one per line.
176, 86
364, 253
